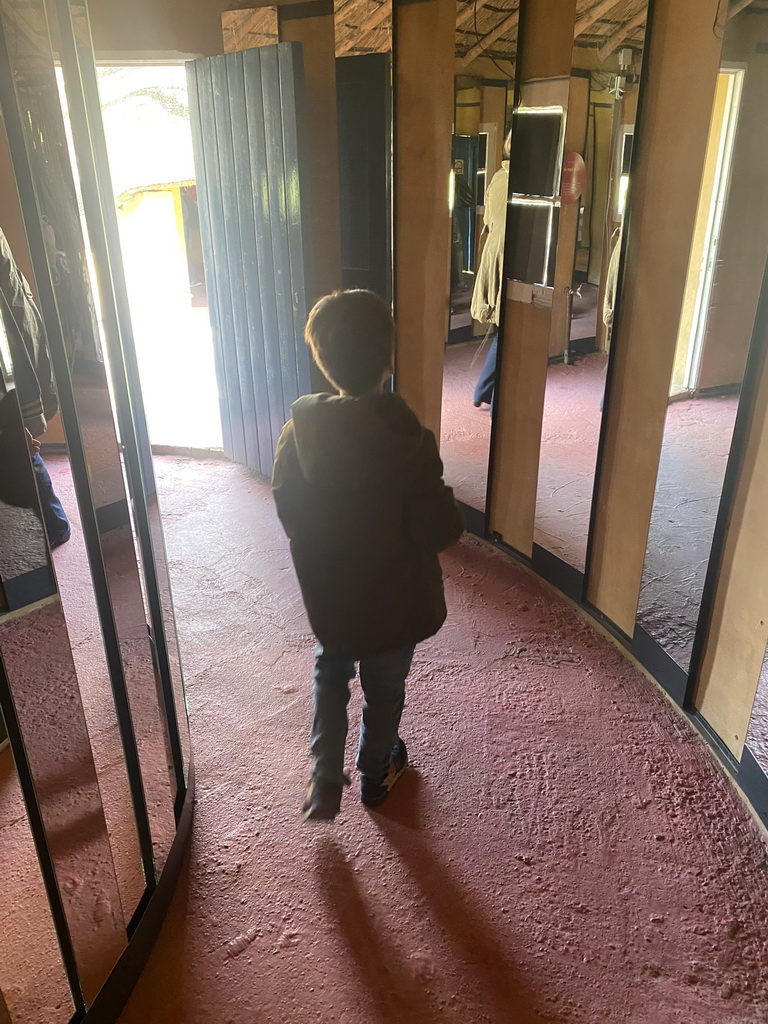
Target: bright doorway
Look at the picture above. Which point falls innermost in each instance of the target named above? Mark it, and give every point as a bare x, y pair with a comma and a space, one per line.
149, 141
702, 265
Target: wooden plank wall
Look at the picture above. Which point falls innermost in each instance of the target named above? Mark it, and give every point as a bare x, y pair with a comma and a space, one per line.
423, 57
683, 58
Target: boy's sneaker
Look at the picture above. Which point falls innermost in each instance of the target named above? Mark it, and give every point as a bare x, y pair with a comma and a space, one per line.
375, 791
323, 799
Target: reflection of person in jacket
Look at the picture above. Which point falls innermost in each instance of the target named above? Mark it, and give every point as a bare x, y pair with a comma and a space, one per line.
32, 379
486, 299
358, 485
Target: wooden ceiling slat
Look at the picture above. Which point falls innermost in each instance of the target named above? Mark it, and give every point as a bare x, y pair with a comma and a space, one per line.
593, 15
467, 13
505, 25
621, 34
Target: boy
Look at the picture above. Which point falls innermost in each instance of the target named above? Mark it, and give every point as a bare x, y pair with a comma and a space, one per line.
359, 491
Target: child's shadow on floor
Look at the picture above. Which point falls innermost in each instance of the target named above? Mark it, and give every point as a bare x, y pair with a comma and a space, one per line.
390, 987
507, 993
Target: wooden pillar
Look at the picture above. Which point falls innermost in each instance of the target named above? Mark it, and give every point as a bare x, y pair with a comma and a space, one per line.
423, 58
312, 25
545, 53
683, 58
738, 630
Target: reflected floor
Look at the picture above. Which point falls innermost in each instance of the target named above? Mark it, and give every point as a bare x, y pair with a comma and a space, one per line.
570, 435
465, 431
697, 441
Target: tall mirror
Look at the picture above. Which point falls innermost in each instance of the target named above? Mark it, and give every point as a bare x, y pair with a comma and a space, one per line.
89, 466
479, 177
600, 103
722, 291
42, 704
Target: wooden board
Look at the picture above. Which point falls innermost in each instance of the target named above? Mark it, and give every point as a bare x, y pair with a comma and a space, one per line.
312, 25
522, 388
670, 157
423, 42
738, 631
545, 62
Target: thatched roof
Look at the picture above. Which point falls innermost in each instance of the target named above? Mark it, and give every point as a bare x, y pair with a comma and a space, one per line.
488, 28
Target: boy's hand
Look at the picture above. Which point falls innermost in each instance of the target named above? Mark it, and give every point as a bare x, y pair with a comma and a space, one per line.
33, 445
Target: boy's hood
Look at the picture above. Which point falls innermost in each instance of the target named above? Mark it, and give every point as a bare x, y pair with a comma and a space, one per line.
349, 443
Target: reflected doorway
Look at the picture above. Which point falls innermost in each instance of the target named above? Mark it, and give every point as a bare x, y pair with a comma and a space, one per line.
149, 140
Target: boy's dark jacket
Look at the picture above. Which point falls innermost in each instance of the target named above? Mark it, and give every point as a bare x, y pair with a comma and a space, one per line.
359, 490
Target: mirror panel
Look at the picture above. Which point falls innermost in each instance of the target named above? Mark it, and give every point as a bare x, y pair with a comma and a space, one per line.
33, 982
478, 195
48, 714
102, 486
142, 487
601, 109
757, 734
723, 286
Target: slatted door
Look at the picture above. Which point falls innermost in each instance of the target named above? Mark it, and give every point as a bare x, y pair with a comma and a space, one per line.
246, 111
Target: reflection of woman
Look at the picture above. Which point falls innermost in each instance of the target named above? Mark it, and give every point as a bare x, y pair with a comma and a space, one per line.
486, 299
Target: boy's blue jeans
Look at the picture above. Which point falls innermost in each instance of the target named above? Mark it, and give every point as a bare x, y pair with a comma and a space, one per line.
382, 677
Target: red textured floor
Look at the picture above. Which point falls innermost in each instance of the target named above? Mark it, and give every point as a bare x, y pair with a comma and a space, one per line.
564, 849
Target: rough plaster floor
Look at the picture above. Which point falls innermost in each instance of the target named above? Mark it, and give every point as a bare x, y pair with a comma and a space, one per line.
564, 849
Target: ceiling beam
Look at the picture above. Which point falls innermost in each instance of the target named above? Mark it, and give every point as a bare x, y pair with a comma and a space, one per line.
594, 14
614, 41
505, 25
467, 13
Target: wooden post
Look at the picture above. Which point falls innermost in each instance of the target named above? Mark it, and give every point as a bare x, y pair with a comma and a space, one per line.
671, 148
312, 25
546, 54
423, 49
738, 630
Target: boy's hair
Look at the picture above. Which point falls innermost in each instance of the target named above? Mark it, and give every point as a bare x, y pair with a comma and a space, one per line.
352, 335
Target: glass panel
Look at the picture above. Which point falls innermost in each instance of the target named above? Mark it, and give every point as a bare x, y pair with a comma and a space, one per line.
130, 410
49, 712
32, 977
602, 106
757, 733
723, 286
478, 197
101, 486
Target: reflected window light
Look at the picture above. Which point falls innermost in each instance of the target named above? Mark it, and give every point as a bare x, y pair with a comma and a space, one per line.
451, 190
622, 200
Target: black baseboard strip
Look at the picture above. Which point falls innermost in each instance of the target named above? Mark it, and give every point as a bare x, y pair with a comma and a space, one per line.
753, 781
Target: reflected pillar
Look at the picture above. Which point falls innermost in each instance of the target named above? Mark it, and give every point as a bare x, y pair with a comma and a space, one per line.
682, 49
545, 51
423, 47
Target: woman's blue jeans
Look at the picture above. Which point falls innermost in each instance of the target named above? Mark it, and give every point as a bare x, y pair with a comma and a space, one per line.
54, 516
382, 677
487, 380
